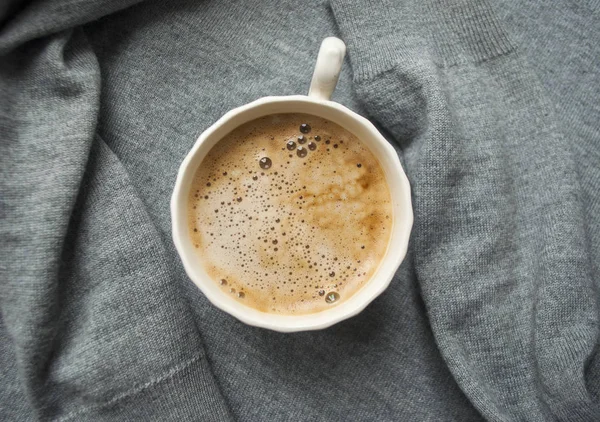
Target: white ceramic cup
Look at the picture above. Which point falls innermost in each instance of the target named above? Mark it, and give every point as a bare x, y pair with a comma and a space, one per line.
317, 103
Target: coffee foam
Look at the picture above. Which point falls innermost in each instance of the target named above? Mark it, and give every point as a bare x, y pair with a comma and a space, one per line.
299, 232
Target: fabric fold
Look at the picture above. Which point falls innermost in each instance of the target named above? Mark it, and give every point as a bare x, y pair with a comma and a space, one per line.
499, 234
89, 307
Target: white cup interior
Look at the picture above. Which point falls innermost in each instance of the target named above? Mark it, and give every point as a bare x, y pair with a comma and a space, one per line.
369, 136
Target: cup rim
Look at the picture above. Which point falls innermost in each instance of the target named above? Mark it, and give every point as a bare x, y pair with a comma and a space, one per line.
293, 323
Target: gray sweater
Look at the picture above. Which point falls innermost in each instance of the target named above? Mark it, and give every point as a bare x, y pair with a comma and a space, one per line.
494, 111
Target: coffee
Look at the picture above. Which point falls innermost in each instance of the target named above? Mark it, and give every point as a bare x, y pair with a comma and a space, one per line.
290, 214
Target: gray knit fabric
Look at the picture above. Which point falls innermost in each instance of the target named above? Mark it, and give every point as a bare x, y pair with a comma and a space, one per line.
494, 112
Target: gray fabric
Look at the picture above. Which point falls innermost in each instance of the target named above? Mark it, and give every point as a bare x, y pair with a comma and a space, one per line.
492, 109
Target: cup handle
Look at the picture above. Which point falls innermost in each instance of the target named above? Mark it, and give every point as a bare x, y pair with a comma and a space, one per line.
327, 69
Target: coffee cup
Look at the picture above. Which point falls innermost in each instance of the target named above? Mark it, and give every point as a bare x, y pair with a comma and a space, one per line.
316, 103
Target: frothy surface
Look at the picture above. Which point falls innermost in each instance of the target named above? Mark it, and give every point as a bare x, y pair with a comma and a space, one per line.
290, 214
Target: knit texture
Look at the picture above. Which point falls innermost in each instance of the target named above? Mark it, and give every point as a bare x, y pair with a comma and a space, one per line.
493, 111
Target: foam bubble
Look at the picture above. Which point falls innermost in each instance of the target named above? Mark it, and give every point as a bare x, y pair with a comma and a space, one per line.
265, 163
301, 152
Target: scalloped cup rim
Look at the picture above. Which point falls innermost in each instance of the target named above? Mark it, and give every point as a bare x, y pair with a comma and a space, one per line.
395, 177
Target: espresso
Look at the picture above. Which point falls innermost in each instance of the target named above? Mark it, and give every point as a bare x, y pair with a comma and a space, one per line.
290, 214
